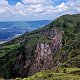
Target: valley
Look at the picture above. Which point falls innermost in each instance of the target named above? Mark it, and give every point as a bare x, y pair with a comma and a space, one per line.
10, 30
51, 52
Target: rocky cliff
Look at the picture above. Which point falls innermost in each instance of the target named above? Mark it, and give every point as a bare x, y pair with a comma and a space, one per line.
55, 45
43, 55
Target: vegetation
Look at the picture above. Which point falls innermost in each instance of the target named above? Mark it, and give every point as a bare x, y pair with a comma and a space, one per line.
70, 74
69, 55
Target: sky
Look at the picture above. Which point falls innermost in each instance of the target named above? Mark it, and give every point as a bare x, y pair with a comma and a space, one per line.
31, 10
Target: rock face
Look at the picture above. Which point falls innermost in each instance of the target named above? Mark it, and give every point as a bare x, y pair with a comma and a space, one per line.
44, 53
43, 57
40, 56
57, 41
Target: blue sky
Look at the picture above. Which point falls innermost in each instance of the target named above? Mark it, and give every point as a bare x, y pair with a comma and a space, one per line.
56, 2
29, 10
13, 2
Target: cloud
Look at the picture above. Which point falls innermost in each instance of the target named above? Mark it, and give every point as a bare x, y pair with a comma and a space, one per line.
3, 3
62, 7
39, 8
35, 2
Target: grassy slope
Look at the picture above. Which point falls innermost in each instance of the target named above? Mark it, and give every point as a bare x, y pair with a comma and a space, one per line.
69, 74
69, 54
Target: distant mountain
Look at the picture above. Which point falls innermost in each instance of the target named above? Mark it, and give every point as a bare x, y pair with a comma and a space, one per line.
9, 30
54, 47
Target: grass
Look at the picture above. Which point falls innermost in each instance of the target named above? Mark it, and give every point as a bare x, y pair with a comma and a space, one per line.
5, 49
72, 69
10, 46
51, 75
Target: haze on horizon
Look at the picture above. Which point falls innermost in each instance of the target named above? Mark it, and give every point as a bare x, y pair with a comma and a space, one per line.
31, 10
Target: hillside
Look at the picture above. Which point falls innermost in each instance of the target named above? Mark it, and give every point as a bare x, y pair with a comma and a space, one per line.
56, 45
52, 75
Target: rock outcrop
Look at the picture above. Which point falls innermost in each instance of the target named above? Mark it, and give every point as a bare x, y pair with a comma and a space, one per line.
42, 57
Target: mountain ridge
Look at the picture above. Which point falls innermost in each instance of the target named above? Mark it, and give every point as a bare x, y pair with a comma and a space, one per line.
60, 39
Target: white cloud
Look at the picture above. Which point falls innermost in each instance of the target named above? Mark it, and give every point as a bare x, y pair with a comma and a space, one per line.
19, 4
62, 7
38, 8
3, 3
35, 2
